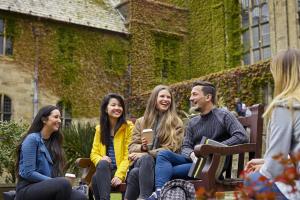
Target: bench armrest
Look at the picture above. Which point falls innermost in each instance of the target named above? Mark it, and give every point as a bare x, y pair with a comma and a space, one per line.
87, 169
206, 149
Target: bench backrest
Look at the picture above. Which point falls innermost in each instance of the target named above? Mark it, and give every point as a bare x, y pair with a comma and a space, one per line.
254, 123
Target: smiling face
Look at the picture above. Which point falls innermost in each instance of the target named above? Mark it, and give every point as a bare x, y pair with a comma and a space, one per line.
163, 101
199, 99
53, 121
114, 108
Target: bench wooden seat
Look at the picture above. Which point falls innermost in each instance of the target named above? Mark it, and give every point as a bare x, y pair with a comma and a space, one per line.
254, 123
87, 171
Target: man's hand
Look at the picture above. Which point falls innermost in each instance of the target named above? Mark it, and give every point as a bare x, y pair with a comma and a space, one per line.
254, 165
193, 157
116, 181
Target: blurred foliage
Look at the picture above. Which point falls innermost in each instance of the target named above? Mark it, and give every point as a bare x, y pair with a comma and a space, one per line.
247, 83
78, 141
10, 135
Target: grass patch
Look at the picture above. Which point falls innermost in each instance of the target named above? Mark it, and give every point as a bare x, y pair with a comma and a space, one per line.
115, 196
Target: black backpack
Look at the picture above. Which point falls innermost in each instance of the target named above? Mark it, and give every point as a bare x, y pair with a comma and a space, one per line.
177, 189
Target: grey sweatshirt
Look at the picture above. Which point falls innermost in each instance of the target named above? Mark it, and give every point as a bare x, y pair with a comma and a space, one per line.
283, 136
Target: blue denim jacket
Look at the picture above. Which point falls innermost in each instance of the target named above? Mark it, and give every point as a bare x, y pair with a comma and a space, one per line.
35, 161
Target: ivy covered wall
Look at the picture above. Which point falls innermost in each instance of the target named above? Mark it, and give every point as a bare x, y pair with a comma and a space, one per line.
159, 44
170, 41
214, 34
248, 83
78, 64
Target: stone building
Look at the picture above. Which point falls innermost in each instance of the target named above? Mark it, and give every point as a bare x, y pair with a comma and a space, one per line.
268, 27
71, 53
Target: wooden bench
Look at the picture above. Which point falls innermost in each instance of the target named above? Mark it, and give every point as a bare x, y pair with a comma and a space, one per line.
87, 171
207, 180
254, 123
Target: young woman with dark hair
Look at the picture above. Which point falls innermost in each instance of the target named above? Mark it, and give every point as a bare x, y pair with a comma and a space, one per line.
40, 160
110, 146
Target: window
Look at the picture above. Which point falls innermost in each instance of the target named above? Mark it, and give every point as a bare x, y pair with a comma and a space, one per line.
66, 113
5, 108
115, 61
256, 30
5, 39
166, 56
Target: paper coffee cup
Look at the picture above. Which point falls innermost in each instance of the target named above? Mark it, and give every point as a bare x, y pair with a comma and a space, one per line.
148, 135
71, 177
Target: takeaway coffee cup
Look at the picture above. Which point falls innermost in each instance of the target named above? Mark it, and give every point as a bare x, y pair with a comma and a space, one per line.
71, 177
148, 135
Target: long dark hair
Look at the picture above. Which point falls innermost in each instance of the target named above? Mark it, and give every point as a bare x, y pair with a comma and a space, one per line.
104, 118
56, 140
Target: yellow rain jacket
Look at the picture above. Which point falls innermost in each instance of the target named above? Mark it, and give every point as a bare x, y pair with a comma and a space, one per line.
122, 139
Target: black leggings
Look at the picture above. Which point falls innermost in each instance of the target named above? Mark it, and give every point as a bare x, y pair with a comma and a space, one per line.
140, 179
101, 181
52, 189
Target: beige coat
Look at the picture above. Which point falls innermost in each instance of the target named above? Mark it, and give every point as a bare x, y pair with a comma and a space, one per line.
136, 142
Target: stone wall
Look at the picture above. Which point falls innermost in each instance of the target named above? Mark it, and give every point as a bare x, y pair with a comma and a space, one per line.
284, 25
77, 64
18, 85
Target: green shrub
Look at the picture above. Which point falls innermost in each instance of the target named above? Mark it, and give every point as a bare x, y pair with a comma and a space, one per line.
78, 141
10, 135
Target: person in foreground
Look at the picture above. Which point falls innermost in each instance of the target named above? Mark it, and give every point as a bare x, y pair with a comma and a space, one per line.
40, 161
110, 147
161, 116
214, 123
283, 132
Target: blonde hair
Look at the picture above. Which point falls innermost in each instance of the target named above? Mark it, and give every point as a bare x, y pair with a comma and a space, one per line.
285, 68
169, 120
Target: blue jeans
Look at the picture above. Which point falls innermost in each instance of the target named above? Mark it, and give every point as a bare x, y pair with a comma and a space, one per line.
263, 186
170, 165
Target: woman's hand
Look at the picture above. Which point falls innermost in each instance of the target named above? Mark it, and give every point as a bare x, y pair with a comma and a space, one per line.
135, 156
144, 144
254, 165
116, 181
106, 158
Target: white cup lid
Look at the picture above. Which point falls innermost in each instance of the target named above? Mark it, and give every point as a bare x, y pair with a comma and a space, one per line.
147, 130
70, 175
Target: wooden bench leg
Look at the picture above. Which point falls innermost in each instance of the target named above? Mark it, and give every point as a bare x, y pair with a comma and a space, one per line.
91, 196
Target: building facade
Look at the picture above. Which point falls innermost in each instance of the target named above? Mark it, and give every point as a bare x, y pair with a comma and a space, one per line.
71, 53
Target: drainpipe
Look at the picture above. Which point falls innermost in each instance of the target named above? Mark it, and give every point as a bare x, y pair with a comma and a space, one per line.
36, 34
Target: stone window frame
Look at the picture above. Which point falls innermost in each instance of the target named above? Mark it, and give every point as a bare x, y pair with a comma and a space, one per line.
167, 58
112, 59
6, 41
5, 108
255, 22
66, 113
